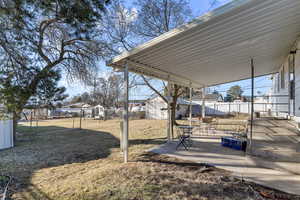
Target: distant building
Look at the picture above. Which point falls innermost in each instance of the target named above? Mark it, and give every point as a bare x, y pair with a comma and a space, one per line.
70, 110
157, 108
209, 98
98, 112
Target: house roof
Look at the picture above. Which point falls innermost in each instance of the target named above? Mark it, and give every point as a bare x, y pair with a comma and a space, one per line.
208, 97
180, 101
217, 47
78, 105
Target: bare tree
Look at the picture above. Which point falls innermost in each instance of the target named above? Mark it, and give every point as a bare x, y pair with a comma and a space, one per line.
155, 18
118, 25
108, 90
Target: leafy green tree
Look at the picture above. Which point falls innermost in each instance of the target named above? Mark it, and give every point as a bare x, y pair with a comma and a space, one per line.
234, 92
37, 37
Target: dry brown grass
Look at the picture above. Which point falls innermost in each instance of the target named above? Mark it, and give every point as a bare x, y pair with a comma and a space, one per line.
67, 164
54, 145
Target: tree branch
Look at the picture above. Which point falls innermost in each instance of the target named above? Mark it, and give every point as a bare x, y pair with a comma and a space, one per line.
42, 28
155, 90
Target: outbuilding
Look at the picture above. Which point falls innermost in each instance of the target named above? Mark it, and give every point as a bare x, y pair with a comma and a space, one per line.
157, 108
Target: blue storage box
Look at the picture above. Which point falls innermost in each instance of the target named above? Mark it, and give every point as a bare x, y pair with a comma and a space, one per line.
234, 143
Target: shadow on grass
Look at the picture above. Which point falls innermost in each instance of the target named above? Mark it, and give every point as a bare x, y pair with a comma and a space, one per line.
55, 146
161, 159
154, 141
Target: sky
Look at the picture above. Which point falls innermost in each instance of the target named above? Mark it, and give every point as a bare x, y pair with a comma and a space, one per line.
199, 7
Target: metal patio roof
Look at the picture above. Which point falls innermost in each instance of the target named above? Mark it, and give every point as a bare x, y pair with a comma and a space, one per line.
217, 47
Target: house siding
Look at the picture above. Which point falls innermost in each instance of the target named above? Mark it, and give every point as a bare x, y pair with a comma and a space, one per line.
297, 85
278, 90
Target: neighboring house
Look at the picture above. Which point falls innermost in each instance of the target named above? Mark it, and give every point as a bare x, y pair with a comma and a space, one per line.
35, 113
286, 87
73, 109
209, 98
136, 107
98, 112
78, 105
157, 108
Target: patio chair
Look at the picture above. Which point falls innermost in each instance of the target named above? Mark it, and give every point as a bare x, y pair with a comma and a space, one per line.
184, 136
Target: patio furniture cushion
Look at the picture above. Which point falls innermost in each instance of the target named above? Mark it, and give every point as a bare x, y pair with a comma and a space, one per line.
234, 143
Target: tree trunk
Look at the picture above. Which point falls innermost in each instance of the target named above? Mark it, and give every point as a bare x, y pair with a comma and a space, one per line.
173, 117
175, 94
16, 117
173, 111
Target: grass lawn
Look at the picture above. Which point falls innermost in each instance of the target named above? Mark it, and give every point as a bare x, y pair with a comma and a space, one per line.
57, 162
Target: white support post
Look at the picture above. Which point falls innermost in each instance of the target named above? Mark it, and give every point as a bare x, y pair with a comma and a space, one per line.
169, 113
125, 115
121, 136
252, 104
203, 103
191, 106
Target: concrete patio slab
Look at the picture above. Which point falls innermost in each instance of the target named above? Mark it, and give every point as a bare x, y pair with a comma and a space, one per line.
275, 144
207, 149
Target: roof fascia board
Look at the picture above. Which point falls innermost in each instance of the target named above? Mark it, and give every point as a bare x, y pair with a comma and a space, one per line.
170, 75
152, 72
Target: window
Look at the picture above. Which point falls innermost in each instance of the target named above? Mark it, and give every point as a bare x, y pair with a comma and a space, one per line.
292, 89
282, 79
292, 76
278, 82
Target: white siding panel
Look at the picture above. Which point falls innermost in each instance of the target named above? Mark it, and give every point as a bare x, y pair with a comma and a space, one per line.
297, 84
156, 109
279, 109
6, 134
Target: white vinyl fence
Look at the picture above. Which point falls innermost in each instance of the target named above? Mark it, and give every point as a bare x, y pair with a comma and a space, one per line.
6, 134
227, 107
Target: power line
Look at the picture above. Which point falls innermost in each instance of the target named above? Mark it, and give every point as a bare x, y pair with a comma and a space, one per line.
245, 89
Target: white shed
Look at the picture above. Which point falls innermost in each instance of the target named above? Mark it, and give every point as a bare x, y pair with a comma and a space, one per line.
156, 108
6, 134
98, 112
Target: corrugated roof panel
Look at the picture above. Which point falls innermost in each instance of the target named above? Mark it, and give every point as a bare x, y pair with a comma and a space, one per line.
217, 47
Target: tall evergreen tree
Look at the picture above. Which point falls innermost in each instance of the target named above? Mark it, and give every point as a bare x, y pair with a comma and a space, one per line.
37, 37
